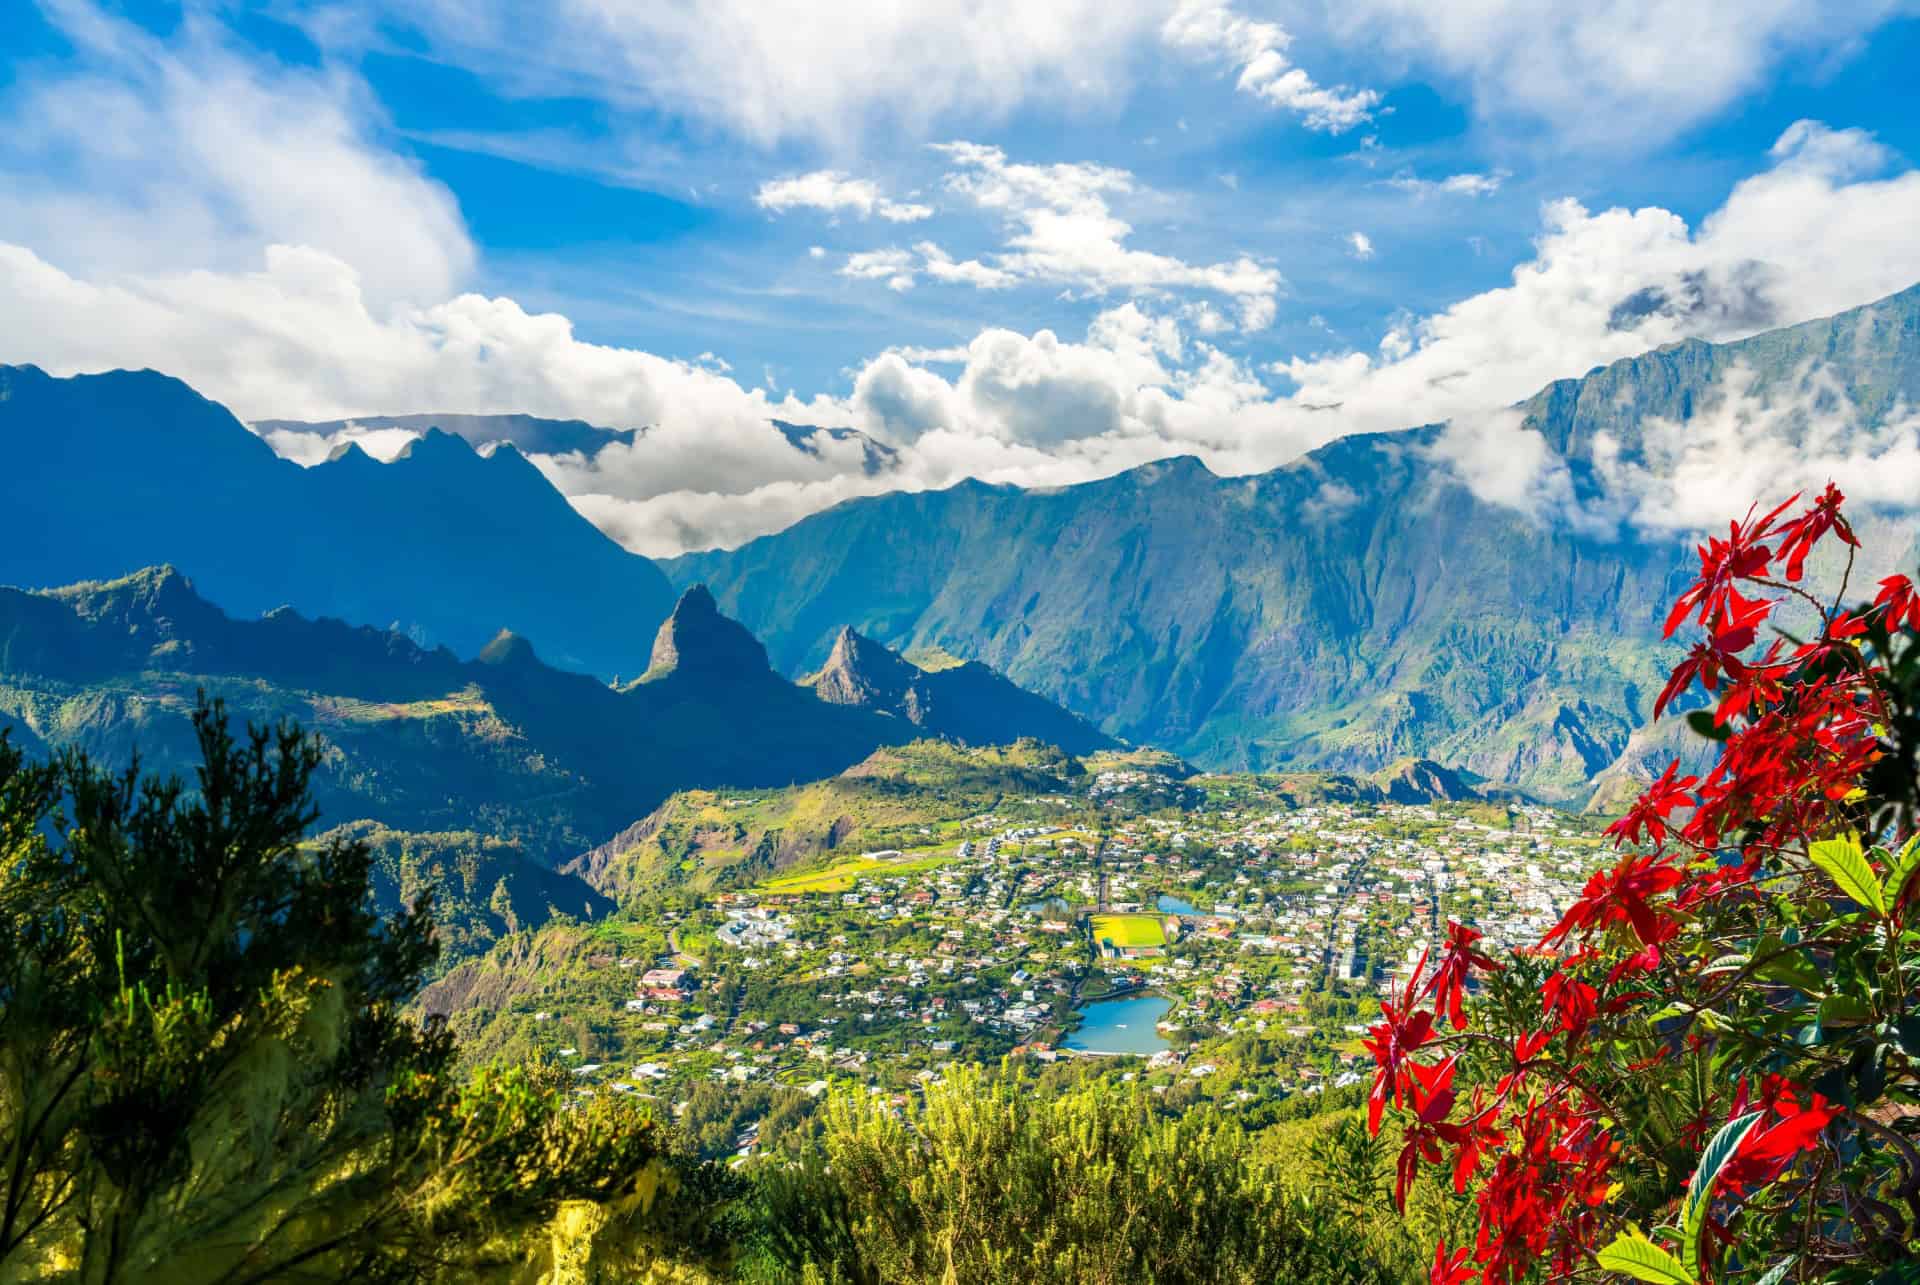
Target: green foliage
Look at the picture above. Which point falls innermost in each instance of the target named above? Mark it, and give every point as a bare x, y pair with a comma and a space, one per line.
484, 888
205, 1074
986, 1182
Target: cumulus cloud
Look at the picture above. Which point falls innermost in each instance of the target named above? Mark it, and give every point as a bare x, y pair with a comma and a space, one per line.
1823, 227
139, 154
1062, 230
1752, 442
1258, 51
893, 266
941, 266
834, 191
1748, 440
1360, 245
1496, 456
1816, 232
1612, 71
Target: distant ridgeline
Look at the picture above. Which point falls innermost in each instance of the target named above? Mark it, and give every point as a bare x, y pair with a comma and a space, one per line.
1355, 607
106, 474
420, 740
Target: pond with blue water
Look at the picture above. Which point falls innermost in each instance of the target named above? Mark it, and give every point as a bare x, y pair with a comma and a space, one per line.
1121, 1026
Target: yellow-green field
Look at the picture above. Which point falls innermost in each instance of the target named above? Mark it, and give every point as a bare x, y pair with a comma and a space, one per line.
1129, 930
841, 876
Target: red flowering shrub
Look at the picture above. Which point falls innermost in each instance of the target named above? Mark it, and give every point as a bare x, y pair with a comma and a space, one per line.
1710, 1070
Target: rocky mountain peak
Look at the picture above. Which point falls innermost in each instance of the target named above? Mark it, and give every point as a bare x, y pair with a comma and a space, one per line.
508, 650
1420, 780
697, 639
860, 671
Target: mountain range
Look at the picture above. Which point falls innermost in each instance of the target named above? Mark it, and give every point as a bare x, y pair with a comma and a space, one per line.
1365, 604
421, 741
110, 473
533, 435
1355, 607
529, 434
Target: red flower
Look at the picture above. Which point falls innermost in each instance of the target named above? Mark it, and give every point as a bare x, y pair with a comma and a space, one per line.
1767, 1150
1648, 815
1798, 537
1570, 1001
1431, 1096
1450, 979
1740, 556
1898, 596
1473, 1137
1721, 651
1392, 1043
1451, 1270
1620, 895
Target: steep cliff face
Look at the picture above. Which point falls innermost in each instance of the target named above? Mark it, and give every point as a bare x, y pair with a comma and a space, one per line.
1356, 607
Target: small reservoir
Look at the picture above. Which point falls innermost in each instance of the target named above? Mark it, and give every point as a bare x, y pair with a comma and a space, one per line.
1121, 1026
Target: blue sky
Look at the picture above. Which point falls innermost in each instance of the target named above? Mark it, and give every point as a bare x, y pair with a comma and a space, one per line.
1028, 243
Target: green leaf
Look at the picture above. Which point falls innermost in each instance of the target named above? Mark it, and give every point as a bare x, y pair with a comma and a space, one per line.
1703, 724
1847, 866
1908, 1031
1790, 969
1693, 1210
1634, 1255
1778, 1272
1844, 1010
1903, 868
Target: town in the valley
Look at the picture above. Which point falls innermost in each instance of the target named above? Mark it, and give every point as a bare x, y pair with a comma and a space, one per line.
1215, 936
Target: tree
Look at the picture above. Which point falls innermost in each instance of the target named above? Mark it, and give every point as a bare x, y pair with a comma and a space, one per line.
205, 1073
1719, 1041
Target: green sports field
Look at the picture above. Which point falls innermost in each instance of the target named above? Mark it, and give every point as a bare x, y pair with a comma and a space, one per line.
1129, 930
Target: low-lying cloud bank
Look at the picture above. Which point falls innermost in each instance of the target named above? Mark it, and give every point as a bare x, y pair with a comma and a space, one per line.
1822, 228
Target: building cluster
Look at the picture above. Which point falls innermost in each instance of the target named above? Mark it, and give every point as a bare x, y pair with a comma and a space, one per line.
1280, 922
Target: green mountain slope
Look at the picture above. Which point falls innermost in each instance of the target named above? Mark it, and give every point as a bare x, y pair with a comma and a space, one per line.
1356, 607
483, 888
105, 474
901, 797
418, 740
964, 700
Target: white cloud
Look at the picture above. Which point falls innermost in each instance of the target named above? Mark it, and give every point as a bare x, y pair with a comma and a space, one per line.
1821, 229
941, 266
1258, 51
1814, 234
1631, 72
1469, 184
1062, 230
142, 155
893, 266
1360, 245
309, 449
1502, 461
1747, 443
772, 73
834, 191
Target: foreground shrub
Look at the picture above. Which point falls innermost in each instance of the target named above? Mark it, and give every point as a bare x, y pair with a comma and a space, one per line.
1709, 1070
986, 1183
205, 1076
